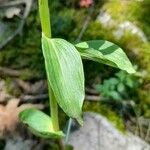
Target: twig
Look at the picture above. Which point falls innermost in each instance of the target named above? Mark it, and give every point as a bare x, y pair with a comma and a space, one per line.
61, 144
12, 3
147, 133
92, 98
32, 98
38, 87
91, 91
140, 128
85, 24
68, 130
24, 85
45, 96
9, 72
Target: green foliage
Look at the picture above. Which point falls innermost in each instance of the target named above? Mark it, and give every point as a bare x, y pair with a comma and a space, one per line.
118, 87
11, 87
12, 58
39, 123
63, 23
65, 75
105, 52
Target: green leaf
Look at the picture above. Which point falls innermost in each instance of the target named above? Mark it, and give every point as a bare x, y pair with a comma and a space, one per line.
121, 87
65, 75
130, 82
39, 123
105, 52
115, 95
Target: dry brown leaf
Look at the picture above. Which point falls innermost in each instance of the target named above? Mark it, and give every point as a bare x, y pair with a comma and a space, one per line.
9, 115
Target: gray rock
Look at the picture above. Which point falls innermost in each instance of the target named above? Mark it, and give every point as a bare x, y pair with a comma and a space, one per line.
99, 134
18, 144
106, 20
128, 26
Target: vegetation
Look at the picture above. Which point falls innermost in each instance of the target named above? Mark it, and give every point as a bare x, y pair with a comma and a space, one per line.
125, 95
66, 77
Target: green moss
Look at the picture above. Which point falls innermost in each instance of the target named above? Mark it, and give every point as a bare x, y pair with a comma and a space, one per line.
103, 110
24, 53
68, 147
12, 88
127, 9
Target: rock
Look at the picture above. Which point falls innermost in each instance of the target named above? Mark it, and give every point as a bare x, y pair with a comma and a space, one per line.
99, 134
11, 12
19, 143
106, 20
128, 26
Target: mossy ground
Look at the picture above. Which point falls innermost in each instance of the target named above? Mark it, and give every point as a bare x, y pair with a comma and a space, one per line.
103, 110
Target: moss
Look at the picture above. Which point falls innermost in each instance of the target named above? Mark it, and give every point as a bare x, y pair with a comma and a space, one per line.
127, 9
103, 110
24, 53
68, 147
12, 88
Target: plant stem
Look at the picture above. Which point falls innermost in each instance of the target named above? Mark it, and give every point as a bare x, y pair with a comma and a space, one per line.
54, 110
68, 130
45, 17
46, 29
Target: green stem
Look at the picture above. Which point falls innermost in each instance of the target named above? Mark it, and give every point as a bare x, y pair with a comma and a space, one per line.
54, 110
68, 130
46, 29
45, 17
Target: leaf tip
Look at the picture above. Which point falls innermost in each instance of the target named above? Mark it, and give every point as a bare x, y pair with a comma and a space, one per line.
131, 70
80, 121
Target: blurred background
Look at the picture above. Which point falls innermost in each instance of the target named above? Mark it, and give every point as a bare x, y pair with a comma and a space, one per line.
122, 98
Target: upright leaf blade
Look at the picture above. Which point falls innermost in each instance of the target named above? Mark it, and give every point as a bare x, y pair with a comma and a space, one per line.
105, 52
65, 75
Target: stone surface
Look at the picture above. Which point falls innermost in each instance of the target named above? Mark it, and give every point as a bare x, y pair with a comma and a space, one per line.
128, 26
99, 134
106, 20
18, 144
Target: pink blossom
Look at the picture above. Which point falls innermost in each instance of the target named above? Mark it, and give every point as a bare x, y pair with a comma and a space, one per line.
86, 3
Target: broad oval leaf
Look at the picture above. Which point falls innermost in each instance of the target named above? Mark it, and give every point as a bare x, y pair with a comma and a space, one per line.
39, 123
105, 52
65, 75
